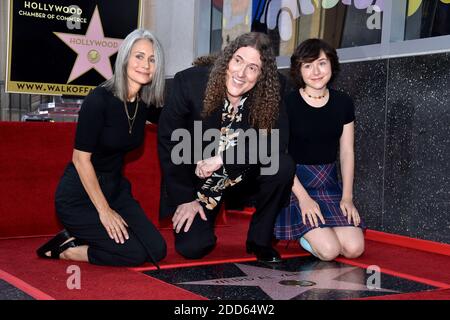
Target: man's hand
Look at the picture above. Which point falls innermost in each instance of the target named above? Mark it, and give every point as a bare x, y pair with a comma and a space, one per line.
186, 213
205, 168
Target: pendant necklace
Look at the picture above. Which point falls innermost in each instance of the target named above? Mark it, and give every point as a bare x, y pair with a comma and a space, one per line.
133, 118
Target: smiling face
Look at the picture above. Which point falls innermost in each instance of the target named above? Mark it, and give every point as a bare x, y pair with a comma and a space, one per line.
317, 74
242, 74
141, 65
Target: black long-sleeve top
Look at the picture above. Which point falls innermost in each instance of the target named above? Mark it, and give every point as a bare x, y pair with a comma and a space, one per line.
103, 128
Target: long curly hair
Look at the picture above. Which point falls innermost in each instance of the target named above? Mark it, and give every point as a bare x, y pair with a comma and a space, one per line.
205, 61
264, 98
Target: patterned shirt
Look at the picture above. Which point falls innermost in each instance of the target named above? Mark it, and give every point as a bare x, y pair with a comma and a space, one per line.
212, 189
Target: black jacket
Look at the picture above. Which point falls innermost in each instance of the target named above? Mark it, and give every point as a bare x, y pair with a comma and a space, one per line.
185, 103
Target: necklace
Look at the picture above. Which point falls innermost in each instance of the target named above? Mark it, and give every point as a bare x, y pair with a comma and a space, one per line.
131, 119
315, 97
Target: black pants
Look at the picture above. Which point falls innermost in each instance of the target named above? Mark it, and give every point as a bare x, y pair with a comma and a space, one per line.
272, 193
80, 218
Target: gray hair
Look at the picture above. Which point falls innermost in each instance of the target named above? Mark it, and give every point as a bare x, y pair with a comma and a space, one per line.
151, 93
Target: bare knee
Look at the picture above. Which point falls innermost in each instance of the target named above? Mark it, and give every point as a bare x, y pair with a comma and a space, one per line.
328, 251
353, 249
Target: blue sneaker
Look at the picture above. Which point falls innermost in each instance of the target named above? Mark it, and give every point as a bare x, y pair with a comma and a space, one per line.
305, 245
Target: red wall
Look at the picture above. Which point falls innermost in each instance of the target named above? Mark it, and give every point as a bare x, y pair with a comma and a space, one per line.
32, 159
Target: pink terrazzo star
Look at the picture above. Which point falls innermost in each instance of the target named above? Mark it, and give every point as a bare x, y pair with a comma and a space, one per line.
93, 49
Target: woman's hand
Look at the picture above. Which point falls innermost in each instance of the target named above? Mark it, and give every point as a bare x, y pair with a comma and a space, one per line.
205, 168
311, 210
114, 225
349, 210
185, 213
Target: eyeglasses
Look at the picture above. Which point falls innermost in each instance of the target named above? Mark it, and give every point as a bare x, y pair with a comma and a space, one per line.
250, 69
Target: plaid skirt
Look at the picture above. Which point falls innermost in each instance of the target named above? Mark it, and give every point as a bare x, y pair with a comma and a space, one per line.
321, 183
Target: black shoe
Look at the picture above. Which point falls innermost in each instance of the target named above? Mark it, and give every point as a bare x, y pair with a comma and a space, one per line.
56, 245
263, 253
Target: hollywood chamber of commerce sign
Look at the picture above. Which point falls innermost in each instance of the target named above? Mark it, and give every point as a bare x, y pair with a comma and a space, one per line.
68, 47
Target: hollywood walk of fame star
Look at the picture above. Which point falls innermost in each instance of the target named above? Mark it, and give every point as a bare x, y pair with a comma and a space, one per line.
93, 49
269, 281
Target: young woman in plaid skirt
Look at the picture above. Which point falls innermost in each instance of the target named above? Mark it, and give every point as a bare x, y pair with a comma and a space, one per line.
321, 214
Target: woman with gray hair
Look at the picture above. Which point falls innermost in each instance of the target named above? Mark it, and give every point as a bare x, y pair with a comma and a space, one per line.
104, 224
